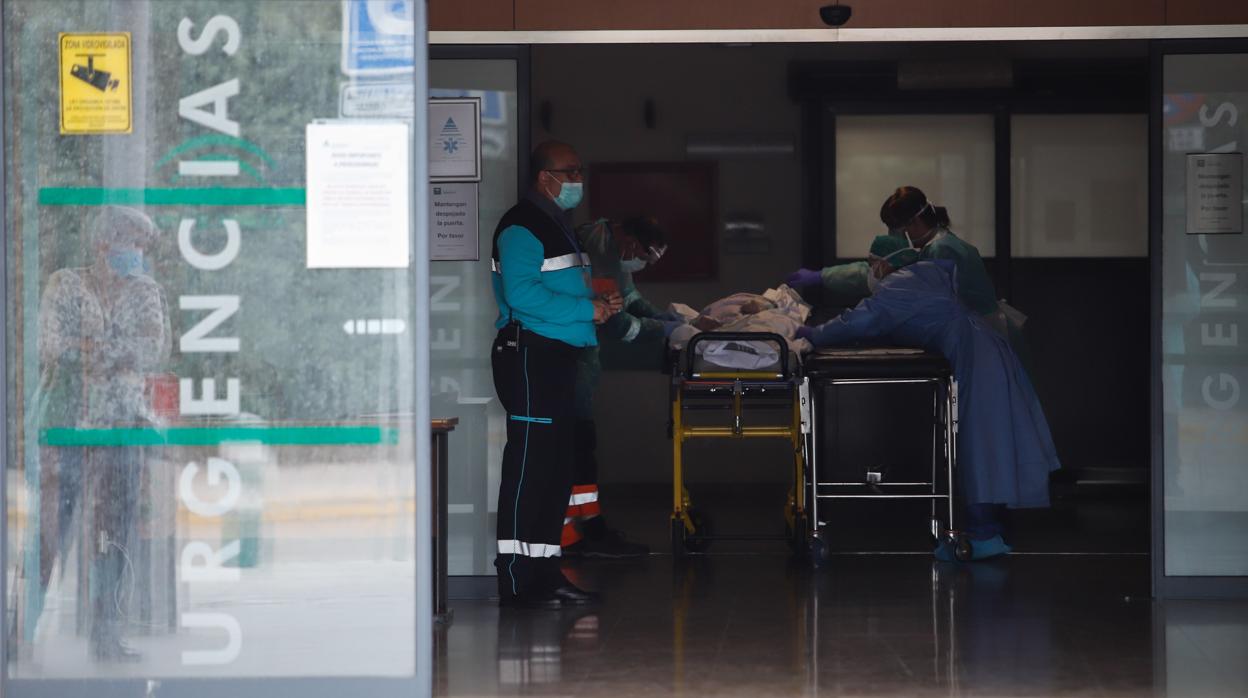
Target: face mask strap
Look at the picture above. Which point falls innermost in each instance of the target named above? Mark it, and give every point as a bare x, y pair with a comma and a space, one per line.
920, 212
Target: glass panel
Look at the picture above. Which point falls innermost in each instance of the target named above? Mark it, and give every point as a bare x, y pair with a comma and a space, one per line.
463, 315
1080, 185
949, 157
211, 464
1204, 300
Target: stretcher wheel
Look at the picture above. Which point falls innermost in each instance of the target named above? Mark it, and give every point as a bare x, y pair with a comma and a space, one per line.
962, 549
697, 542
817, 550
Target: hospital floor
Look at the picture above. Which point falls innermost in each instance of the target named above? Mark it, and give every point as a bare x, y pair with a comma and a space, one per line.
746, 620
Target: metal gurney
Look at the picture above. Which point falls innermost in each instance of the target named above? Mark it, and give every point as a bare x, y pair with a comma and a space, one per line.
830, 371
699, 383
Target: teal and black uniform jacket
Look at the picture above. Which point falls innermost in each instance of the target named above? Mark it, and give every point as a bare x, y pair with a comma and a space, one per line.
541, 277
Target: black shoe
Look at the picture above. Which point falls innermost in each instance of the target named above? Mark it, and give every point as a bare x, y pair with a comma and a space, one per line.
610, 545
572, 595
114, 650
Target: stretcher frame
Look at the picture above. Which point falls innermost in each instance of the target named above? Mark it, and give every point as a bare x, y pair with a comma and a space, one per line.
736, 389
944, 443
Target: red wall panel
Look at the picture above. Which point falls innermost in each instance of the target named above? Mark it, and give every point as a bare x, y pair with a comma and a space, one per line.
1207, 12
804, 14
471, 15
668, 14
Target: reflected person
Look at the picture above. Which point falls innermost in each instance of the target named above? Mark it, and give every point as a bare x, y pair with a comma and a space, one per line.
103, 329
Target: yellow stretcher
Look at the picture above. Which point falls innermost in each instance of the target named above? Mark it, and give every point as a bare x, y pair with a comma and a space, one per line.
699, 384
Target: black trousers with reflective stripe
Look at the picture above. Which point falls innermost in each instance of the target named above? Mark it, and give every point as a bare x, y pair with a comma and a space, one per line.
536, 385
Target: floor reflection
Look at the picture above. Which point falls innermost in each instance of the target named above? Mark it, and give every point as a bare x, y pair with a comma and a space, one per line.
870, 625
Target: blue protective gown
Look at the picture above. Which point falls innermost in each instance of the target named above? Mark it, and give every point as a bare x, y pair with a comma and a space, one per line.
1005, 450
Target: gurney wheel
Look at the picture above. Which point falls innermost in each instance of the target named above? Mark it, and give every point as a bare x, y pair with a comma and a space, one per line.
818, 550
962, 549
697, 541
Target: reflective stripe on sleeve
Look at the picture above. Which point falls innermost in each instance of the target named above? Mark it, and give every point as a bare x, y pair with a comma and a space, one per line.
582, 498
518, 547
566, 261
634, 329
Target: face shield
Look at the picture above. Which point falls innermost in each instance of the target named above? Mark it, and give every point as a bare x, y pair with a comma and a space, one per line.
634, 258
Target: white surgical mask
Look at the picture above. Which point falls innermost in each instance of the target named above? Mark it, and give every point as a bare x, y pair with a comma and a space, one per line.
633, 265
570, 194
873, 282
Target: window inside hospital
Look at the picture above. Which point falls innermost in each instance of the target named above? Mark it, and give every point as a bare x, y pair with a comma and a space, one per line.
949, 157
1079, 185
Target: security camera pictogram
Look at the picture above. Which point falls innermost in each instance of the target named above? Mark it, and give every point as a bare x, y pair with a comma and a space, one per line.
99, 79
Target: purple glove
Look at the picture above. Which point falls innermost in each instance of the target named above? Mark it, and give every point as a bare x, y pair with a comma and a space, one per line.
804, 278
806, 332
670, 325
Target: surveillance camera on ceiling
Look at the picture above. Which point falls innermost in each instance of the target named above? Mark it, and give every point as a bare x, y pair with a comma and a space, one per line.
835, 15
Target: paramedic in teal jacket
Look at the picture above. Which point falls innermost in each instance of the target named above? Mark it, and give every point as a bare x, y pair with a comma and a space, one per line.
547, 314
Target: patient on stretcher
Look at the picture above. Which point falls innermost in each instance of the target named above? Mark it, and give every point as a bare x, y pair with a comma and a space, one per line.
778, 311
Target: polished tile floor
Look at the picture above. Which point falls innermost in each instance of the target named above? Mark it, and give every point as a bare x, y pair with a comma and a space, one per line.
757, 624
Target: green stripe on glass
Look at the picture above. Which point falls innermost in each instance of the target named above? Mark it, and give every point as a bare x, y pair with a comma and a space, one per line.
172, 196
212, 436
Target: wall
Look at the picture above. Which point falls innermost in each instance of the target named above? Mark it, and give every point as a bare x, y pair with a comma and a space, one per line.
498, 15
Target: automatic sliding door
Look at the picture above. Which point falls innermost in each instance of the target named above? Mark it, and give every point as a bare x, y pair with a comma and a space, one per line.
1204, 274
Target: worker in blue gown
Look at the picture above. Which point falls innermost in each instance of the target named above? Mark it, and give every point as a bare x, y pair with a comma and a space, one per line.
1005, 450
909, 215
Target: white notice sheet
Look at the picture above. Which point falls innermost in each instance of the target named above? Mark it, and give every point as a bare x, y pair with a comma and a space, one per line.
358, 195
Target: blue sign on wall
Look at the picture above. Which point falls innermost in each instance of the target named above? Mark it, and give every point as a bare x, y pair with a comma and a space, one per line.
377, 37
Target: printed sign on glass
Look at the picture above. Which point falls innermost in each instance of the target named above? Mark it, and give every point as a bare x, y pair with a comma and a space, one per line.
453, 222
455, 140
1215, 193
95, 83
378, 37
359, 195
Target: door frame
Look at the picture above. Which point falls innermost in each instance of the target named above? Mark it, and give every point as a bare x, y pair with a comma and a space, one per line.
478, 586
1167, 586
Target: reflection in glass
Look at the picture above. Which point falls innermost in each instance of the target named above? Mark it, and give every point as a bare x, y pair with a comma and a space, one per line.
1204, 299
462, 318
103, 330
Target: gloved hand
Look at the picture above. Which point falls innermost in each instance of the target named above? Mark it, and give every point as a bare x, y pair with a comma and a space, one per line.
669, 315
806, 332
670, 326
804, 278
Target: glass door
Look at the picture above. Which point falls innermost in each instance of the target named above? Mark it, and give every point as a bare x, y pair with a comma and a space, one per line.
217, 392
1200, 253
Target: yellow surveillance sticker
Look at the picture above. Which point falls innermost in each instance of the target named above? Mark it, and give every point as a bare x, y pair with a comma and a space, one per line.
95, 83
